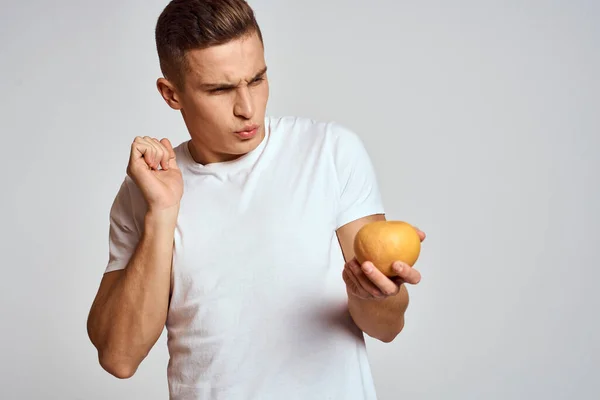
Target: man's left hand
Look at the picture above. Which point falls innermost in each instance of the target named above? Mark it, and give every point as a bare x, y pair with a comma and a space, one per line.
367, 282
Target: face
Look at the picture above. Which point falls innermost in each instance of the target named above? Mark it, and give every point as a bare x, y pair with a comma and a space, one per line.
223, 100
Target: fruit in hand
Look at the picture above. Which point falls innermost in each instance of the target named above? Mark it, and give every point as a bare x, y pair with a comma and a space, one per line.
383, 242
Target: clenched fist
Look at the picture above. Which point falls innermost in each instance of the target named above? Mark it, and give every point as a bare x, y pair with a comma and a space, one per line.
153, 167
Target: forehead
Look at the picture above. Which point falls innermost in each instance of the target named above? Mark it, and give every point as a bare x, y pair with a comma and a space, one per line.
229, 62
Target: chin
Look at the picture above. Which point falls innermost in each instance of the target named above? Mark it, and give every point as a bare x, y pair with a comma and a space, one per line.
241, 145
247, 146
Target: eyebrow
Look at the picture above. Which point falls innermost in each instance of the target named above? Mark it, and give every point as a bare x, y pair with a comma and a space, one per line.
225, 86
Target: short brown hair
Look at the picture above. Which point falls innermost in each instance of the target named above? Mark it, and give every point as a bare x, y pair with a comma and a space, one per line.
197, 24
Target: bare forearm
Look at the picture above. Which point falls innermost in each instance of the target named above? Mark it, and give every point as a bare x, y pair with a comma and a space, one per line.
380, 319
127, 321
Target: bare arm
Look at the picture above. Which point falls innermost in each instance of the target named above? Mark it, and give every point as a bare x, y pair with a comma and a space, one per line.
129, 312
376, 302
380, 319
130, 308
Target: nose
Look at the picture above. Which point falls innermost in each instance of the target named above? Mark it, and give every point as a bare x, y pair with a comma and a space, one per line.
243, 104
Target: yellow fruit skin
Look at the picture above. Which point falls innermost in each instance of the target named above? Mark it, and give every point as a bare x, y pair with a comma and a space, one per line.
383, 242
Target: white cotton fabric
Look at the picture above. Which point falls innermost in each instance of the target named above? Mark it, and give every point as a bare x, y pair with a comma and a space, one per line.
259, 306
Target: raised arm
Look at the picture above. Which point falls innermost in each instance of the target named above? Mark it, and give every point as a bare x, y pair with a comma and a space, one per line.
130, 308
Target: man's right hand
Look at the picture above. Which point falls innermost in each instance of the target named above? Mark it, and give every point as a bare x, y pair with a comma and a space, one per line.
153, 167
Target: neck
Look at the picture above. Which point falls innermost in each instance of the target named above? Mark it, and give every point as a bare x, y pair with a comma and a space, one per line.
202, 155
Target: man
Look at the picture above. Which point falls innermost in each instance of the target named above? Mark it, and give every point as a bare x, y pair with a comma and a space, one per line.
240, 239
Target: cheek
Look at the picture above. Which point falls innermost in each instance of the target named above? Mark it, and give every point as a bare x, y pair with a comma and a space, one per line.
210, 110
261, 94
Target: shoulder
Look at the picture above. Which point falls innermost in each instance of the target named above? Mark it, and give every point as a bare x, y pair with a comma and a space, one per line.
182, 153
304, 130
181, 148
129, 203
297, 125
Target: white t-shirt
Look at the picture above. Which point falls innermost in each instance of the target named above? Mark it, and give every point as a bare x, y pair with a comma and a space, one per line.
259, 306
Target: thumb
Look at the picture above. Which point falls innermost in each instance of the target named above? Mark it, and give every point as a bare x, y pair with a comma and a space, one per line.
167, 143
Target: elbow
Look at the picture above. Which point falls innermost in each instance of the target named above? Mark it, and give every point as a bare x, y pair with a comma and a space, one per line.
391, 335
112, 361
117, 366
387, 339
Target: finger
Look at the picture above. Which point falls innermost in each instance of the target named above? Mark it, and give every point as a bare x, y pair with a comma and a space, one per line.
363, 281
164, 160
140, 148
353, 285
167, 143
421, 234
406, 273
157, 152
382, 282
172, 156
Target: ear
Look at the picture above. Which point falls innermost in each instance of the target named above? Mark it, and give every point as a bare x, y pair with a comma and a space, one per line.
169, 93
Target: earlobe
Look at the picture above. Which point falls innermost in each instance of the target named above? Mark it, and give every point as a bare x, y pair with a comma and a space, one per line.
168, 93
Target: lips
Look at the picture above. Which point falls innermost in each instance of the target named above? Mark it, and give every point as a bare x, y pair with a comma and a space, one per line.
248, 128
248, 132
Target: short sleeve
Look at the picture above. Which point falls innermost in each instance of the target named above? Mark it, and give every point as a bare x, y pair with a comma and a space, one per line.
359, 194
124, 232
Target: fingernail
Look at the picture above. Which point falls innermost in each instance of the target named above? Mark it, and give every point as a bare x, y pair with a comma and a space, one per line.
399, 268
367, 268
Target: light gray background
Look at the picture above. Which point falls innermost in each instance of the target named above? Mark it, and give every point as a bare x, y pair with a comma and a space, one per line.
482, 119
